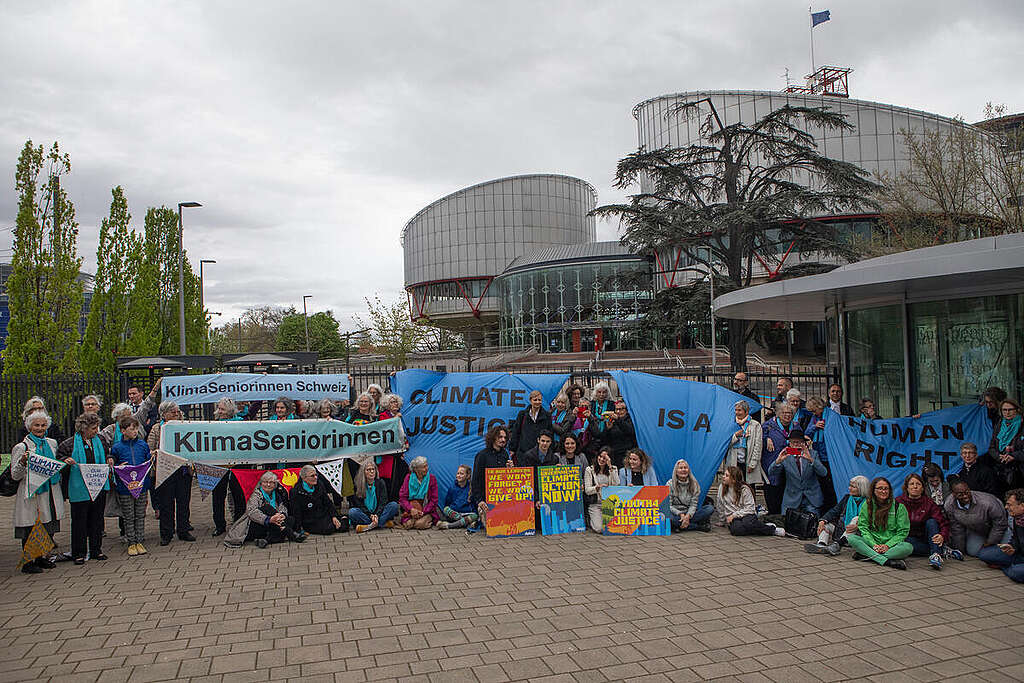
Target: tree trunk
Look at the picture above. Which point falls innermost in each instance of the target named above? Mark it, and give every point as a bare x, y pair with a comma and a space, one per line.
738, 344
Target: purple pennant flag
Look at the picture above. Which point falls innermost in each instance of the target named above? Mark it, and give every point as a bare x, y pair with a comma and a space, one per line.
133, 476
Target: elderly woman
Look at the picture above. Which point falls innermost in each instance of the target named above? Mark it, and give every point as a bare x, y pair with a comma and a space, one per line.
601, 400
283, 409
47, 503
369, 507
1006, 450
325, 409
85, 447
638, 470
574, 392
561, 418
226, 410
311, 505
376, 393
801, 415
32, 405
840, 519
363, 412
746, 444
418, 496
867, 409
173, 497
458, 510
688, 512
776, 437
595, 478
266, 519
390, 406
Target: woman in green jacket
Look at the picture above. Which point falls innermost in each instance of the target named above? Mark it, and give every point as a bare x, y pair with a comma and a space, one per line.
883, 525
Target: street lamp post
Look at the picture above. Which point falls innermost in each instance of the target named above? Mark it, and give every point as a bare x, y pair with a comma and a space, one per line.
348, 344
202, 299
206, 345
305, 318
181, 277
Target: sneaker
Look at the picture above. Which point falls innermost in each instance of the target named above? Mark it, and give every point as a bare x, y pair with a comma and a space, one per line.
133, 550
935, 561
261, 543
779, 531
389, 524
441, 525
232, 545
140, 549
860, 558
954, 553
814, 548
896, 564
362, 528
832, 549
218, 532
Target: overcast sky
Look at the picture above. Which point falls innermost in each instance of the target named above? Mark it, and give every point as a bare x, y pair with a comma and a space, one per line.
312, 131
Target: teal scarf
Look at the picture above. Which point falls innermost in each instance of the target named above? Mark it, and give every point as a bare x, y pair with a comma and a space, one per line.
271, 499
742, 441
117, 433
290, 416
306, 487
43, 448
1007, 430
418, 487
371, 497
78, 452
852, 508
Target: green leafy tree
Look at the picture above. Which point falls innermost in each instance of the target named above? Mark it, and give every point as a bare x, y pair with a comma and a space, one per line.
44, 290
391, 331
324, 337
117, 268
255, 330
744, 188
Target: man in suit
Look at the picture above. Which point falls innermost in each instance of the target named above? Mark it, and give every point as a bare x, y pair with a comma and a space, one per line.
802, 468
835, 400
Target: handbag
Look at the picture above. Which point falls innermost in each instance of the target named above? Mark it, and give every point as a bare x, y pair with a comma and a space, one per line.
801, 524
8, 486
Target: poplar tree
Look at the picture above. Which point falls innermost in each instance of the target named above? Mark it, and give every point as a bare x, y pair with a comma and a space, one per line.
117, 265
44, 290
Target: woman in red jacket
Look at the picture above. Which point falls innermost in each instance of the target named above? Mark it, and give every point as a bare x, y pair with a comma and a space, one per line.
928, 526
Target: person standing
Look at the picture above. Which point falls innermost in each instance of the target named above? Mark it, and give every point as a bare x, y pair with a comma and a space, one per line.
174, 495
835, 401
47, 502
745, 445
132, 450
85, 447
528, 425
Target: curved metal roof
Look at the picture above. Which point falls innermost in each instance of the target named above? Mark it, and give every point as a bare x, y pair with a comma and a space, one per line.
593, 192
975, 267
590, 251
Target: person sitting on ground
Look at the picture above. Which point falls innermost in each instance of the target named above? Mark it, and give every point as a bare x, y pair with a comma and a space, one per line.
458, 511
802, 468
527, 426
735, 506
46, 505
883, 525
1006, 450
132, 450
746, 445
570, 454
1009, 555
266, 519
310, 504
976, 473
492, 455
595, 478
841, 519
976, 519
369, 507
935, 486
688, 512
867, 409
418, 496
929, 529
638, 470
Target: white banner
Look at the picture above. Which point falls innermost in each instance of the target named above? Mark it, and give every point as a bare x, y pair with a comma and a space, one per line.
95, 477
40, 469
333, 471
185, 389
166, 465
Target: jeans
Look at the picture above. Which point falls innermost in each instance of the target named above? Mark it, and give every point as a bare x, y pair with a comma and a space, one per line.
386, 515
750, 525
896, 552
1012, 565
923, 545
703, 514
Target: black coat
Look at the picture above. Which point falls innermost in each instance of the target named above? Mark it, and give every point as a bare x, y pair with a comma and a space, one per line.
836, 513
313, 512
355, 501
524, 431
486, 458
533, 458
620, 436
980, 477
1008, 475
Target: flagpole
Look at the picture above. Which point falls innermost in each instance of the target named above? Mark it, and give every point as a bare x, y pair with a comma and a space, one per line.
811, 23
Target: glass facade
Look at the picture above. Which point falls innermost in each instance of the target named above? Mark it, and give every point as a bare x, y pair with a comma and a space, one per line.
956, 348
577, 306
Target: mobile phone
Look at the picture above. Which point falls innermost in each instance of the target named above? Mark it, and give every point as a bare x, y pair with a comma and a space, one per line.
793, 451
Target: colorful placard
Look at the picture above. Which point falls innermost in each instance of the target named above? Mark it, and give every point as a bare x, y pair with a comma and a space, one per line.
508, 492
635, 510
561, 500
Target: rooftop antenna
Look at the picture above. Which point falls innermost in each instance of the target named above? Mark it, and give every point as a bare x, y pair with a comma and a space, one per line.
786, 76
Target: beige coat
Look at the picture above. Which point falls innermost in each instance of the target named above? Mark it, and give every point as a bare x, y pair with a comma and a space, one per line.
755, 443
26, 509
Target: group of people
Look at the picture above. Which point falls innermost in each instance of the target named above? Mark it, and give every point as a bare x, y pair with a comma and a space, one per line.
784, 456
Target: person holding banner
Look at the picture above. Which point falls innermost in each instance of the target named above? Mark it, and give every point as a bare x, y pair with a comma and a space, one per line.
311, 505
369, 507
226, 410
46, 502
1006, 450
418, 496
87, 505
596, 477
457, 511
376, 393
174, 495
801, 415
802, 468
992, 398
528, 425
883, 525
266, 519
284, 409
746, 445
1009, 555
816, 432
841, 519
688, 512
867, 409
132, 450
638, 470
601, 400
736, 509
492, 455
111, 434
928, 526
325, 409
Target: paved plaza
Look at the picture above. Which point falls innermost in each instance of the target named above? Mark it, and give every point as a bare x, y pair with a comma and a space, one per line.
444, 606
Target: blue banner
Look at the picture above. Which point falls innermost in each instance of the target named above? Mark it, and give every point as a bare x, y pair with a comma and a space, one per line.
241, 386
447, 414
677, 418
895, 448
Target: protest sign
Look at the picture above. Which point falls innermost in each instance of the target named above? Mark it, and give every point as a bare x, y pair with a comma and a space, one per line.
561, 499
635, 510
133, 476
274, 441
508, 492
38, 544
677, 418
188, 389
166, 465
41, 470
248, 479
207, 477
95, 477
447, 414
896, 447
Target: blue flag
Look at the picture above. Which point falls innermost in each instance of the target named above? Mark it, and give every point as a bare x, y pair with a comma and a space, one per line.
895, 448
447, 414
677, 418
819, 18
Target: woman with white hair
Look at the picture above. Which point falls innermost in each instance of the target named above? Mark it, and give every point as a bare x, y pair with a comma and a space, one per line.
418, 496
47, 502
841, 519
686, 506
801, 415
746, 444
266, 519
174, 495
376, 393
32, 405
311, 505
601, 400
